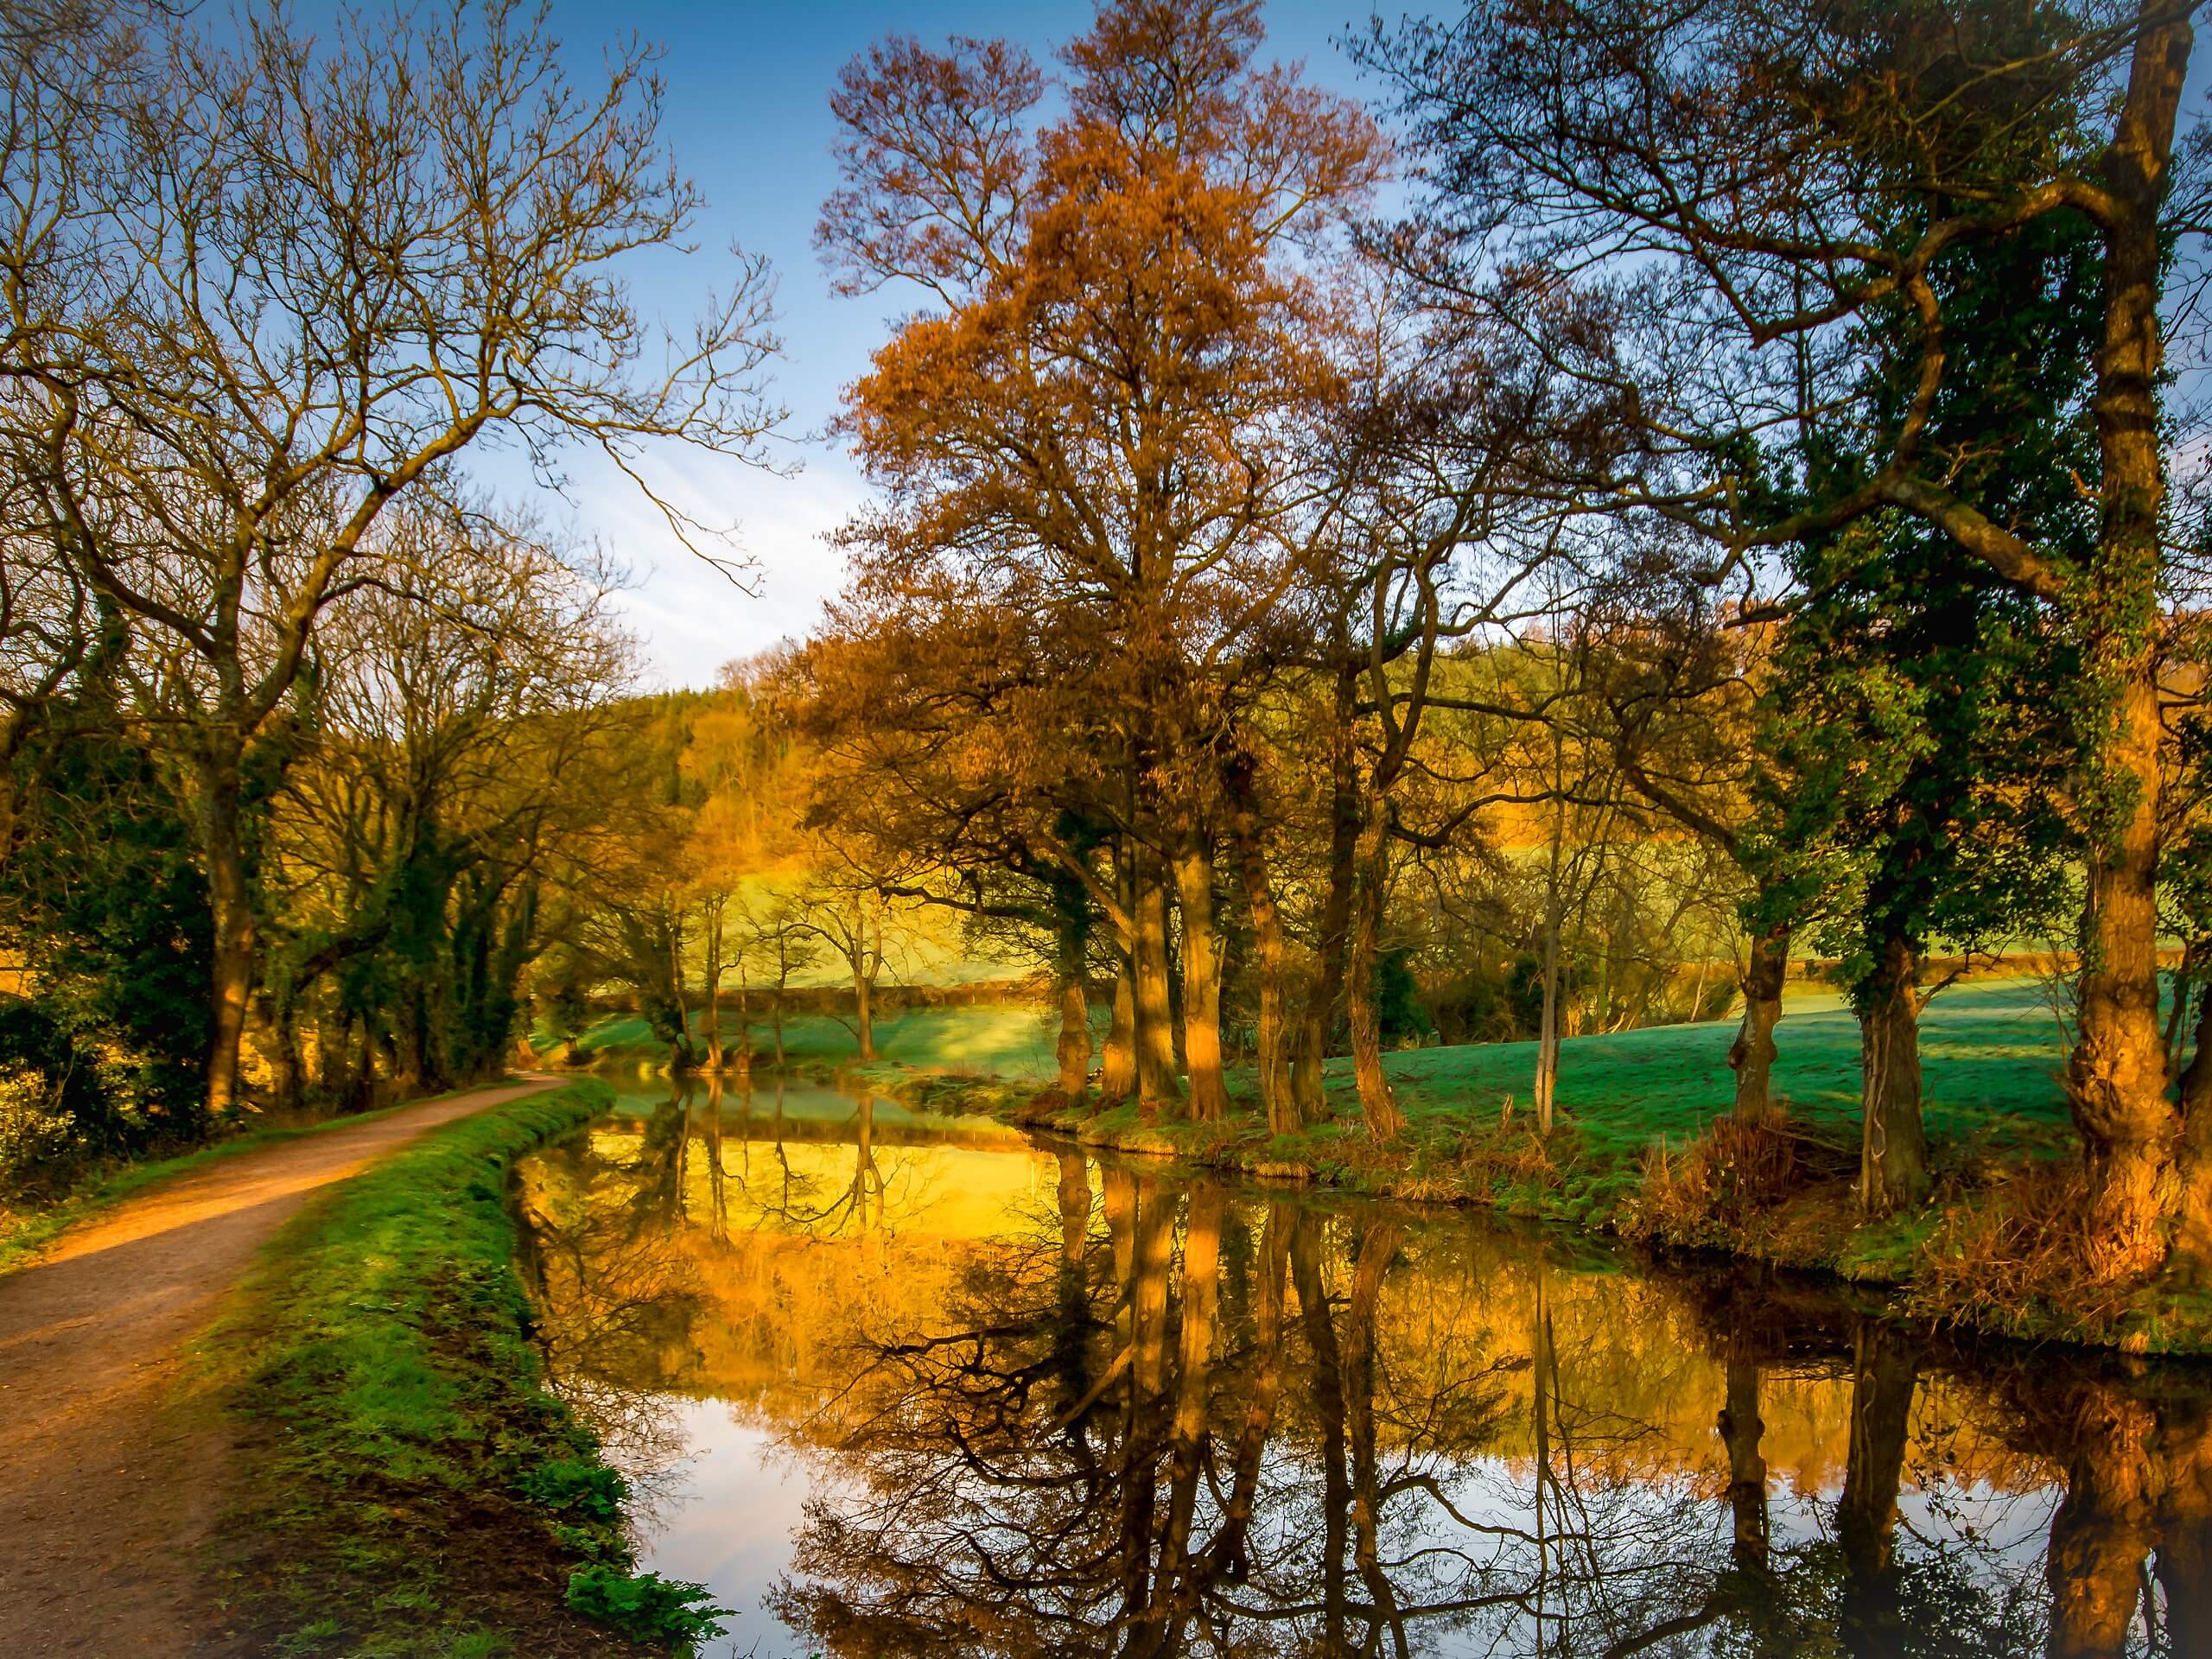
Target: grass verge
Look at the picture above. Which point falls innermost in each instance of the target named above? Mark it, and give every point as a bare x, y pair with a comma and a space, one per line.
407, 1487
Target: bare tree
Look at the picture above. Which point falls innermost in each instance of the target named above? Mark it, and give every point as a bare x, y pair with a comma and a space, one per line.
289, 287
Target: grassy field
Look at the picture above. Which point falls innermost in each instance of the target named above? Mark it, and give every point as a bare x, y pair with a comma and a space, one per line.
409, 1486
990, 1041
1992, 1055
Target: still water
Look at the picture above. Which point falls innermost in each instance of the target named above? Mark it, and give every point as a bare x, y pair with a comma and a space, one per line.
893, 1383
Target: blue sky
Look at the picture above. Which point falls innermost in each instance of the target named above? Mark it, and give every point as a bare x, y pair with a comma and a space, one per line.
748, 119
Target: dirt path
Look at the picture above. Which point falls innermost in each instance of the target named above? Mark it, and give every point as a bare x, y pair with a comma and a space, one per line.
105, 1506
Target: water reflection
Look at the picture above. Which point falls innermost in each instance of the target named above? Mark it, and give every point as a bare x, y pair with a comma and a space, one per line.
1015, 1401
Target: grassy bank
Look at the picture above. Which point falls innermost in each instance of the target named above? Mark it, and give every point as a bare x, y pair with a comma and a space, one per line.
1991, 1056
1634, 1152
1992, 1059
407, 1487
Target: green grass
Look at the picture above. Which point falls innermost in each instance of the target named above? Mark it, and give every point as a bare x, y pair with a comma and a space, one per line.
410, 1488
1991, 1056
27, 1230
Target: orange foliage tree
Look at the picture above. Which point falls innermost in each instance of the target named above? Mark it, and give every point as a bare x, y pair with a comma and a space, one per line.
1102, 427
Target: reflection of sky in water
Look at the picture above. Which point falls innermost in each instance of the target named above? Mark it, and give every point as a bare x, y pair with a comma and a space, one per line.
727, 1521
744, 1398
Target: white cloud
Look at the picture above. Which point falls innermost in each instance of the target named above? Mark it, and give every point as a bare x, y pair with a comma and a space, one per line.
692, 618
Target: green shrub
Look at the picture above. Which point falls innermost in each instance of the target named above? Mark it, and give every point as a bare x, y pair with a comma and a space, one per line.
40, 1138
647, 1607
568, 1486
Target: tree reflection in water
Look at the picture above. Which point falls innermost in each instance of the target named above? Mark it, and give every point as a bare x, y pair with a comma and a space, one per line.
1050, 1406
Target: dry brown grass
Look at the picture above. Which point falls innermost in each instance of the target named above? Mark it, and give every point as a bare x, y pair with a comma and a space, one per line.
1738, 1169
2011, 1258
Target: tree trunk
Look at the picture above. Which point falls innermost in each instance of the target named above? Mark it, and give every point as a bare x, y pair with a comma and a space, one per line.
332, 1047
863, 1015
231, 907
712, 969
744, 1043
1072, 1053
1546, 1089
411, 1039
1384, 1121
1309, 1045
1074, 1050
1117, 1063
1201, 983
2190, 1262
2116, 1078
1884, 1370
1327, 982
680, 1055
279, 1040
1697, 989
1155, 1020
1277, 1099
1893, 1146
1751, 1055
2104, 1528
359, 1067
